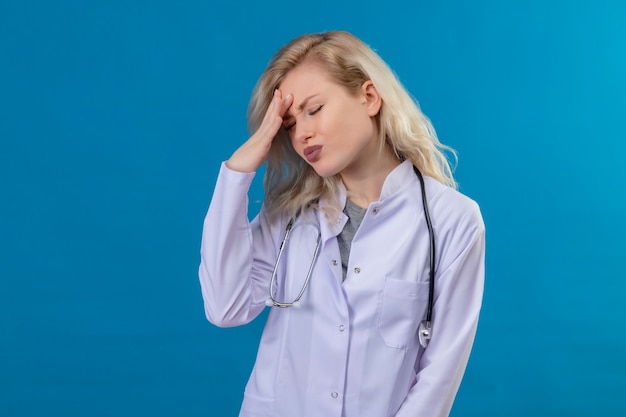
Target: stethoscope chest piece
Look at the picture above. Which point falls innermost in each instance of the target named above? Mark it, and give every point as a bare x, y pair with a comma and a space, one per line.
424, 333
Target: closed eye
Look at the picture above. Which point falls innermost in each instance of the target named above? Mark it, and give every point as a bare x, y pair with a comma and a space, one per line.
291, 123
317, 109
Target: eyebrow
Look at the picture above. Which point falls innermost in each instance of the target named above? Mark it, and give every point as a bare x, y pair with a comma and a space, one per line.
301, 106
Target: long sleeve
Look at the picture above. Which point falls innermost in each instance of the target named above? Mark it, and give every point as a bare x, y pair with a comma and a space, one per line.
458, 299
237, 257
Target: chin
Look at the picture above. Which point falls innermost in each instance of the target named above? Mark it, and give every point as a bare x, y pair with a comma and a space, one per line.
324, 171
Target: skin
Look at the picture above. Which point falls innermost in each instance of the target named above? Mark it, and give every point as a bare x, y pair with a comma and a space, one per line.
318, 112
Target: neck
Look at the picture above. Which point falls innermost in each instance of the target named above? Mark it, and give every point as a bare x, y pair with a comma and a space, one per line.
365, 181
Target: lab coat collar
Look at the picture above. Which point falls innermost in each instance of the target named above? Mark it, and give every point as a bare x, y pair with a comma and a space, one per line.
397, 179
332, 222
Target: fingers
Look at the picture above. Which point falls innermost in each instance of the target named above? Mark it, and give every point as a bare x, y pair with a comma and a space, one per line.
285, 103
270, 112
275, 112
253, 152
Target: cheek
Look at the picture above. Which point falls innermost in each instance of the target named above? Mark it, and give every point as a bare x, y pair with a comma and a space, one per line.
331, 125
354, 127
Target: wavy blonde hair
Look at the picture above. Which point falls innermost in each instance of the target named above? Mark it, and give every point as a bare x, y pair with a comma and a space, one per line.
290, 183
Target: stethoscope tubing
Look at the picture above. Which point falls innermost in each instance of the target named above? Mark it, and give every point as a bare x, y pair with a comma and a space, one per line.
425, 327
272, 302
431, 234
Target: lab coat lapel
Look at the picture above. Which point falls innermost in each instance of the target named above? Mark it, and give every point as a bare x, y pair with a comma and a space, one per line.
330, 226
332, 219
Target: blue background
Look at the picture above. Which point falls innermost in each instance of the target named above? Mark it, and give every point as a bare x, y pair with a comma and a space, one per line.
115, 115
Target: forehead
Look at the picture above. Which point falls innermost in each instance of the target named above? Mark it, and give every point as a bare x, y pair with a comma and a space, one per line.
306, 78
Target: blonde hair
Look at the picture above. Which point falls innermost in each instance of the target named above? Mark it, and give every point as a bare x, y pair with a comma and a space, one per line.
290, 183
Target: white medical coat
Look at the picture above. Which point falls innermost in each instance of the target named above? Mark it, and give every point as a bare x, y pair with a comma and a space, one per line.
351, 349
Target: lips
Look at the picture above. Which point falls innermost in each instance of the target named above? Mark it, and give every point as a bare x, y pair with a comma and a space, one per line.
312, 153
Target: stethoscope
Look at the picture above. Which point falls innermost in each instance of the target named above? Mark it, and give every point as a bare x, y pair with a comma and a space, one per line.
425, 327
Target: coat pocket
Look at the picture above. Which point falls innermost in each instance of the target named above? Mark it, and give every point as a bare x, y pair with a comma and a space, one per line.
402, 308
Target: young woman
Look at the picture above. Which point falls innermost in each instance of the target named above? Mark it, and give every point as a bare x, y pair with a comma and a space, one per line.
358, 197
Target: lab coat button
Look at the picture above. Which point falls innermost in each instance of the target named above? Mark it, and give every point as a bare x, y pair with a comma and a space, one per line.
357, 270
335, 262
375, 211
334, 395
342, 327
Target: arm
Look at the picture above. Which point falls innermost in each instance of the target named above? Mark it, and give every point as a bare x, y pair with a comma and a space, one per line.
237, 257
458, 298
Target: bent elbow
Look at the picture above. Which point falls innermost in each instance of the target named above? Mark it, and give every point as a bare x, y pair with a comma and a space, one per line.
219, 320
225, 317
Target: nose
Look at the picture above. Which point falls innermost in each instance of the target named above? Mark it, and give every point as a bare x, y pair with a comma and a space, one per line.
303, 131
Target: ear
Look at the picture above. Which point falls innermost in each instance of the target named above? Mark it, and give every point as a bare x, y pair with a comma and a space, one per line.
370, 98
